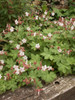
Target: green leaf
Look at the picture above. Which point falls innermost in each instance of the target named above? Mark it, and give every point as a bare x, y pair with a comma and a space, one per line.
47, 54
64, 69
10, 62
48, 77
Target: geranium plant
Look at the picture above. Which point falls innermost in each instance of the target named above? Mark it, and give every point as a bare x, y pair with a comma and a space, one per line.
36, 50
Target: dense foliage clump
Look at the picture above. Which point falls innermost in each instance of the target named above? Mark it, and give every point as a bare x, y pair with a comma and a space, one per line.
11, 9
36, 50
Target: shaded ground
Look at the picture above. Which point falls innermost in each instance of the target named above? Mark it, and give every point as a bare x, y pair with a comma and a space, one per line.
60, 89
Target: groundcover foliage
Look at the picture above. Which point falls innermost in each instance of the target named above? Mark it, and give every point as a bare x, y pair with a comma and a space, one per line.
36, 50
10, 9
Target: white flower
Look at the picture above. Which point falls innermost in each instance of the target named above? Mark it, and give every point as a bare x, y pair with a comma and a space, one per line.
1, 67
62, 18
52, 13
68, 52
60, 23
11, 29
2, 52
4, 31
26, 13
0, 76
17, 71
21, 53
16, 22
28, 28
15, 67
49, 67
2, 61
5, 77
26, 62
22, 69
59, 50
25, 57
44, 67
24, 40
17, 46
45, 12
66, 22
74, 23
55, 22
41, 34
37, 46
49, 34
40, 24
35, 34
10, 41
72, 27
71, 20
43, 16
32, 80
36, 17
46, 18
44, 37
